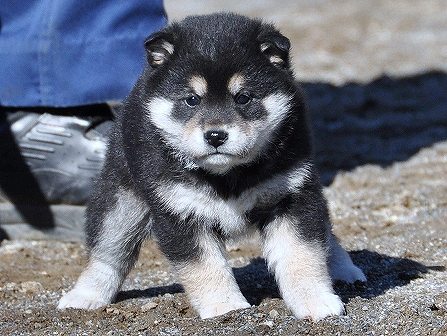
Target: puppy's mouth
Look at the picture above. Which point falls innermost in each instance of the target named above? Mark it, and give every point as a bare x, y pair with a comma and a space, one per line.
216, 154
216, 159
219, 162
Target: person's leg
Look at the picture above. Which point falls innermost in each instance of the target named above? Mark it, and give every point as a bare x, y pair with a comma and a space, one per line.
54, 55
67, 53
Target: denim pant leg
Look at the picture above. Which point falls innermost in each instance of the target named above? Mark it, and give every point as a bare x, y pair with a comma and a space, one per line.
67, 53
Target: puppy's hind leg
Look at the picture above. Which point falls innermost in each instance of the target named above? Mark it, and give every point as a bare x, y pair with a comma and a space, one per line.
341, 266
114, 237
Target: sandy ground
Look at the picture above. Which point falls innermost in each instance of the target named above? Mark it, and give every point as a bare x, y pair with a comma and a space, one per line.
381, 145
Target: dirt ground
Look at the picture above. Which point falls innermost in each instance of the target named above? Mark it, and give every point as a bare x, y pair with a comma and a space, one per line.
375, 76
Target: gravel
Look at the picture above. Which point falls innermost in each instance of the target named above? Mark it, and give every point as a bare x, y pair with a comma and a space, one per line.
381, 145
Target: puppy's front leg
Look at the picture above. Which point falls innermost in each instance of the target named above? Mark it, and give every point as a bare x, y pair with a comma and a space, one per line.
300, 269
206, 275
115, 235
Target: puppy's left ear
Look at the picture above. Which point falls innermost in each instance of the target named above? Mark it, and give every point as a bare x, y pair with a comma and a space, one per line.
275, 47
159, 47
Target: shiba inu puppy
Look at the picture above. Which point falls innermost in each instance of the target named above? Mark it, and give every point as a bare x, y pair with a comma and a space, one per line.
212, 143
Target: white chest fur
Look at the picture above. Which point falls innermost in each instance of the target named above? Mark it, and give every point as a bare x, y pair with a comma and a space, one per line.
203, 203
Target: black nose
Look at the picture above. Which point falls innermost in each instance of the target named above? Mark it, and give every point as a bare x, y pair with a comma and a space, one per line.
216, 138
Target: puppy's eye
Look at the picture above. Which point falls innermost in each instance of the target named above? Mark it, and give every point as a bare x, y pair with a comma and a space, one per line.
242, 98
192, 101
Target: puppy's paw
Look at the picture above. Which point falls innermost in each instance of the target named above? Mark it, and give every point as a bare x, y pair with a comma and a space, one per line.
317, 306
347, 272
82, 299
220, 308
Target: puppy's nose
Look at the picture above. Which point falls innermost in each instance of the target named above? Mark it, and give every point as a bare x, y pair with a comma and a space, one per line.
216, 138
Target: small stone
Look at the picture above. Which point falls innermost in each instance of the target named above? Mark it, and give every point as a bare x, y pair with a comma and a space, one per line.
10, 286
440, 302
114, 311
273, 313
268, 323
148, 306
30, 287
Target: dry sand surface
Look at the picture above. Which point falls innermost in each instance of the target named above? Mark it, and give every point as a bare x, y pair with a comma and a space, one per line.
375, 75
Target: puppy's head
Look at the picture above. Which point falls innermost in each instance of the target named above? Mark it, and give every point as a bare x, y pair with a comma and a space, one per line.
218, 89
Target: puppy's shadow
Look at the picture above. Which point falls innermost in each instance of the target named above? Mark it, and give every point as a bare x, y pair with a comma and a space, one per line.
383, 272
149, 292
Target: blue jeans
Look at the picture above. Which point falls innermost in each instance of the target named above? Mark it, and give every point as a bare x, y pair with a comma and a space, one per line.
67, 53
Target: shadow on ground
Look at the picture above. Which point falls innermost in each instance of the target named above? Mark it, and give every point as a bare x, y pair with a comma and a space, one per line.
383, 273
149, 292
381, 122
256, 283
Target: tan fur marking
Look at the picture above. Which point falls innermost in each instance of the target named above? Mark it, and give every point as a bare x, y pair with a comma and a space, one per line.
198, 85
235, 83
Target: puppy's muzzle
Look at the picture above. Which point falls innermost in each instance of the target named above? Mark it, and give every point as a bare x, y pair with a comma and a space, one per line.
215, 138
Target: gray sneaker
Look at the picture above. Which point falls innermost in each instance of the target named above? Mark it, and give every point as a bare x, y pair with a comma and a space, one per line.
47, 166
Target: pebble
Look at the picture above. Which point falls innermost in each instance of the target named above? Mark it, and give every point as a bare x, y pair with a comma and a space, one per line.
441, 302
114, 311
148, 306
268, 323
10, 286
31, 287
273, 313
168, 296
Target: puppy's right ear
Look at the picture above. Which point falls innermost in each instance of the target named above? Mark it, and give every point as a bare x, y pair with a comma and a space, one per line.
159, 48
274, 46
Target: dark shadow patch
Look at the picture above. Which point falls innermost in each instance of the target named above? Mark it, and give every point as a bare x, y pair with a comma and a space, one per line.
387, 120
19, 185
383, 273
149, 292
256, 283
3, 234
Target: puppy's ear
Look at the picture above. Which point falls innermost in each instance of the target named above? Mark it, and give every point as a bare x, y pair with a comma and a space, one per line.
275, 47
159, 48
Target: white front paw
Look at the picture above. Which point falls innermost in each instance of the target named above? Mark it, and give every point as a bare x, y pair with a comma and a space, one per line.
220, 308
82, 299
317, 306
